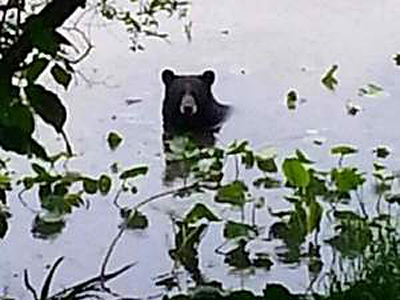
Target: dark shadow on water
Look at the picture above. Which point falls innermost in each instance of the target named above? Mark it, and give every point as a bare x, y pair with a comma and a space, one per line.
178, 145
178, 163
46, 230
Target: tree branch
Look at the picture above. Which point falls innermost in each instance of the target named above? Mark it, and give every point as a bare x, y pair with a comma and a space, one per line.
52, 16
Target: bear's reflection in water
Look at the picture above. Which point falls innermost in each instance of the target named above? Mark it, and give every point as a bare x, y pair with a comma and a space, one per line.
191, 119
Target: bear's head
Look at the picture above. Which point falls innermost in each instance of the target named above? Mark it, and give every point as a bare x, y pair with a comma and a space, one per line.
189, 104
188, 96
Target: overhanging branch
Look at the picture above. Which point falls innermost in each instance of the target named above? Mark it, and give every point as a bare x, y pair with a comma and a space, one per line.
52, 16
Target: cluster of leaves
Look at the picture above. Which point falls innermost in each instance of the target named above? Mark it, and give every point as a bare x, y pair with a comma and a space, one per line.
378, 278
330, 81
5, 186
313, 195
22, 97
370, 90
215, 292
141, 18
59, 192
379, 275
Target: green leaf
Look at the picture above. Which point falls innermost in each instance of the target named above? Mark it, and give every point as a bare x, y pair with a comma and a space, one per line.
47, 105
3, 225
347, 215
5, 184
238, 257
61, 188
17, 140
104, 184
114, 140
267, 182
317, 186
44, 39
134, 190
90, 185
134, 219
55, 204
61, 76
352, 237
74, 200
232, 193
393, 198
295, 173
233, 230
266, 164
235, 148
264, 261
28, 182
314, 215
378, 167
20, 117
347, 179
396, 59
371, 90
329, 80
248, 159
198, 212
43, 175
303, 158
114, 168
35, 68
134, 172
38, 150
291, 99
343, 150
382, 152
38, 169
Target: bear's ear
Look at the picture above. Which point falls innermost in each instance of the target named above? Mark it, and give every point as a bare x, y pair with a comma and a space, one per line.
209, 77
167, 76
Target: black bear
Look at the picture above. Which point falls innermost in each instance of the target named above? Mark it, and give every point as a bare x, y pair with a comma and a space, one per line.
189, 104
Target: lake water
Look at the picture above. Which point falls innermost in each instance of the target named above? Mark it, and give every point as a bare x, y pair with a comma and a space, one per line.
259, 50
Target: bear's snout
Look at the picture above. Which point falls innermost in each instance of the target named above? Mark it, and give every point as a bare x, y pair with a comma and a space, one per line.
188, 105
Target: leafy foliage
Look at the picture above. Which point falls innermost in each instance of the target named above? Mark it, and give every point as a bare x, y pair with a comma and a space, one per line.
233, 193
312, 196
19, 103
114, 140
60, 193
47, 105
291, 99
396, 59
371, 90
134, 219
199, 212
295, 173
233, 230
134, 172
382, 152
61, 75
140, 19
329, 80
